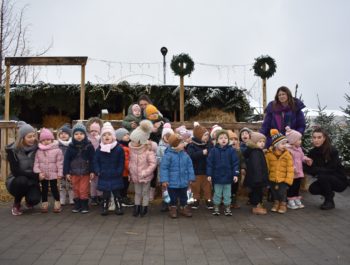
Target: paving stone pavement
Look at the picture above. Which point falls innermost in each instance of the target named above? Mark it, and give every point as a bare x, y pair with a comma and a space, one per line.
307, 236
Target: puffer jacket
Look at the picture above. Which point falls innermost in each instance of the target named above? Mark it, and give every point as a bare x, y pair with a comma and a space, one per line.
142, 163
125, 146
109, 168
130, 117
280, 166
199, 160
49, 161
176, 168
222, 164
298, 158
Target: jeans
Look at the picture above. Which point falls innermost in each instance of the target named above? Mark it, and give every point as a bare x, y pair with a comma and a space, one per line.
279, 191
222, 190
178, 194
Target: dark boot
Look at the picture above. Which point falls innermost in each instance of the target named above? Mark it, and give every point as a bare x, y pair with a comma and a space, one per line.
77, 205
165, 207
105, 203
137, 209
328, 204
144, 211
118, 206
84, 206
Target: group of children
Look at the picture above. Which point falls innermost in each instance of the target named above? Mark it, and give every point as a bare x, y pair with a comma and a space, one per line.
98, 163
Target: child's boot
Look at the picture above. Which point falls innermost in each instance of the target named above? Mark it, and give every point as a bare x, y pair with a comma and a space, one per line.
63, 194
118, 207
283, 207
71, 197
57, 207
104, 210
275, 206
292, 205
143, 211
77, 205
299, 204
84, 206
216, 210
186, 211
44, 207
227, 210
173, 212
137, 209
259, 210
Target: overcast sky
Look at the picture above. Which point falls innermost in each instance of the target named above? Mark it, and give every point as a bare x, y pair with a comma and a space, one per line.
309, 40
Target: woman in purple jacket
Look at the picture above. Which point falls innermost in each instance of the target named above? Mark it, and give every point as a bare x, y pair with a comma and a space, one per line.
283, 111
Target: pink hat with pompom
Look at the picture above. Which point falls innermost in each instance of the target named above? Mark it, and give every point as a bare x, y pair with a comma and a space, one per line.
292, 135
167, 129
46, 134
185, 134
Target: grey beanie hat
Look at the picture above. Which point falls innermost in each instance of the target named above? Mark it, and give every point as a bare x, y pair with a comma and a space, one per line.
120, 133
25, 129
79, 127
65, 128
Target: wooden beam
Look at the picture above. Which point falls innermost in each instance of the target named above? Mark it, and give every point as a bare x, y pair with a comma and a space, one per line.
82, 93
7, 95
70, 60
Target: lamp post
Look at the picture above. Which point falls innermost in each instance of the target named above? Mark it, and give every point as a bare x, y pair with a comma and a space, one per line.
164, 51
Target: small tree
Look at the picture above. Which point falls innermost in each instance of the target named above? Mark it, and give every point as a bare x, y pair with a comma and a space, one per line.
344, 139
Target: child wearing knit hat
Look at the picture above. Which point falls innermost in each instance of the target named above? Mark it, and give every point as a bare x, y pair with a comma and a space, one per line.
185, 134
176, 175
64, 134
294, 147
198, 152
222, 170
142, 164
256, 178
109, 165
214, 129
78, 167
244, 136
123, 138
49, 165
281, 170
132, 120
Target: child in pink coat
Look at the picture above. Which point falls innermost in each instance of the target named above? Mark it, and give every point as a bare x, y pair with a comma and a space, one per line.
49, 164
142, 163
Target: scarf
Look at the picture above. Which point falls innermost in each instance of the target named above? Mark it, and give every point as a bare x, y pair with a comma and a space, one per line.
65, 143
107, 147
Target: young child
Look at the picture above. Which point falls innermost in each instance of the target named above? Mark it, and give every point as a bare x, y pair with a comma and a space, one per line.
244, 136
257, 174
185, 134
109, 166
123, 138
198, 151
142, 163
163, 145
64, 139
222, 169
132, 120
48, 163
294, 147
281, 170
215, 128
93, 127
234, 142
176, 175
78, 167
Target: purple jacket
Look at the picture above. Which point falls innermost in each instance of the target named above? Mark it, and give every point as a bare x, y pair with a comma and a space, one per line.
298, 159
281, 117
49, 160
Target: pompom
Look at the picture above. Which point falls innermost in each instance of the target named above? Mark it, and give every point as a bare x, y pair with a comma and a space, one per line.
107, 123
195, 124
288, 128
146, 126
167, 125
273, 132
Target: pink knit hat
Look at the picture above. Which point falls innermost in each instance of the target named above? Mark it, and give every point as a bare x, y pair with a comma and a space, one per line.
292, 135
46, 134
185, 134
107, 127
214, 129
95, 127
167, 129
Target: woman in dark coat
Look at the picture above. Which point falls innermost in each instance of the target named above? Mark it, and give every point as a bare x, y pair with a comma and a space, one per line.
23, 182
281, 112
324, 164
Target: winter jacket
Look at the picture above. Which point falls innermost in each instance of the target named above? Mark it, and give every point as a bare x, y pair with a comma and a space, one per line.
49, 161
78, 159
222, 164
199, 160
176, 168
125, 146
142, 163
130, 117
279, 117
257, 173
109, 168
280, 166
321, 166
22, 162
298, 158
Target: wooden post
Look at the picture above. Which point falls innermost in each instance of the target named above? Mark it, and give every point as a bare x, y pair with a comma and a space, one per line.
7, 94
82, 93
264, 93
182, 99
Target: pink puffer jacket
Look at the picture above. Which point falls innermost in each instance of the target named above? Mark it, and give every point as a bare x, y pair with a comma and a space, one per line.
142, 163
298, 159
49, 160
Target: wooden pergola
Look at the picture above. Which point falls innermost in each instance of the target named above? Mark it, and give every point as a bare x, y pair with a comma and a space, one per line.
15, 61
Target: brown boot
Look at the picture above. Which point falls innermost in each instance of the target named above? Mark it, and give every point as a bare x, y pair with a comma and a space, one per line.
186, 211
57, 207
259, 210
275, 206
173, 212
282, 208
44, 207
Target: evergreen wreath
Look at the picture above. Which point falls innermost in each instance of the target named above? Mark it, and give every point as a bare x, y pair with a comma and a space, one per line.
176, 64
259, 66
